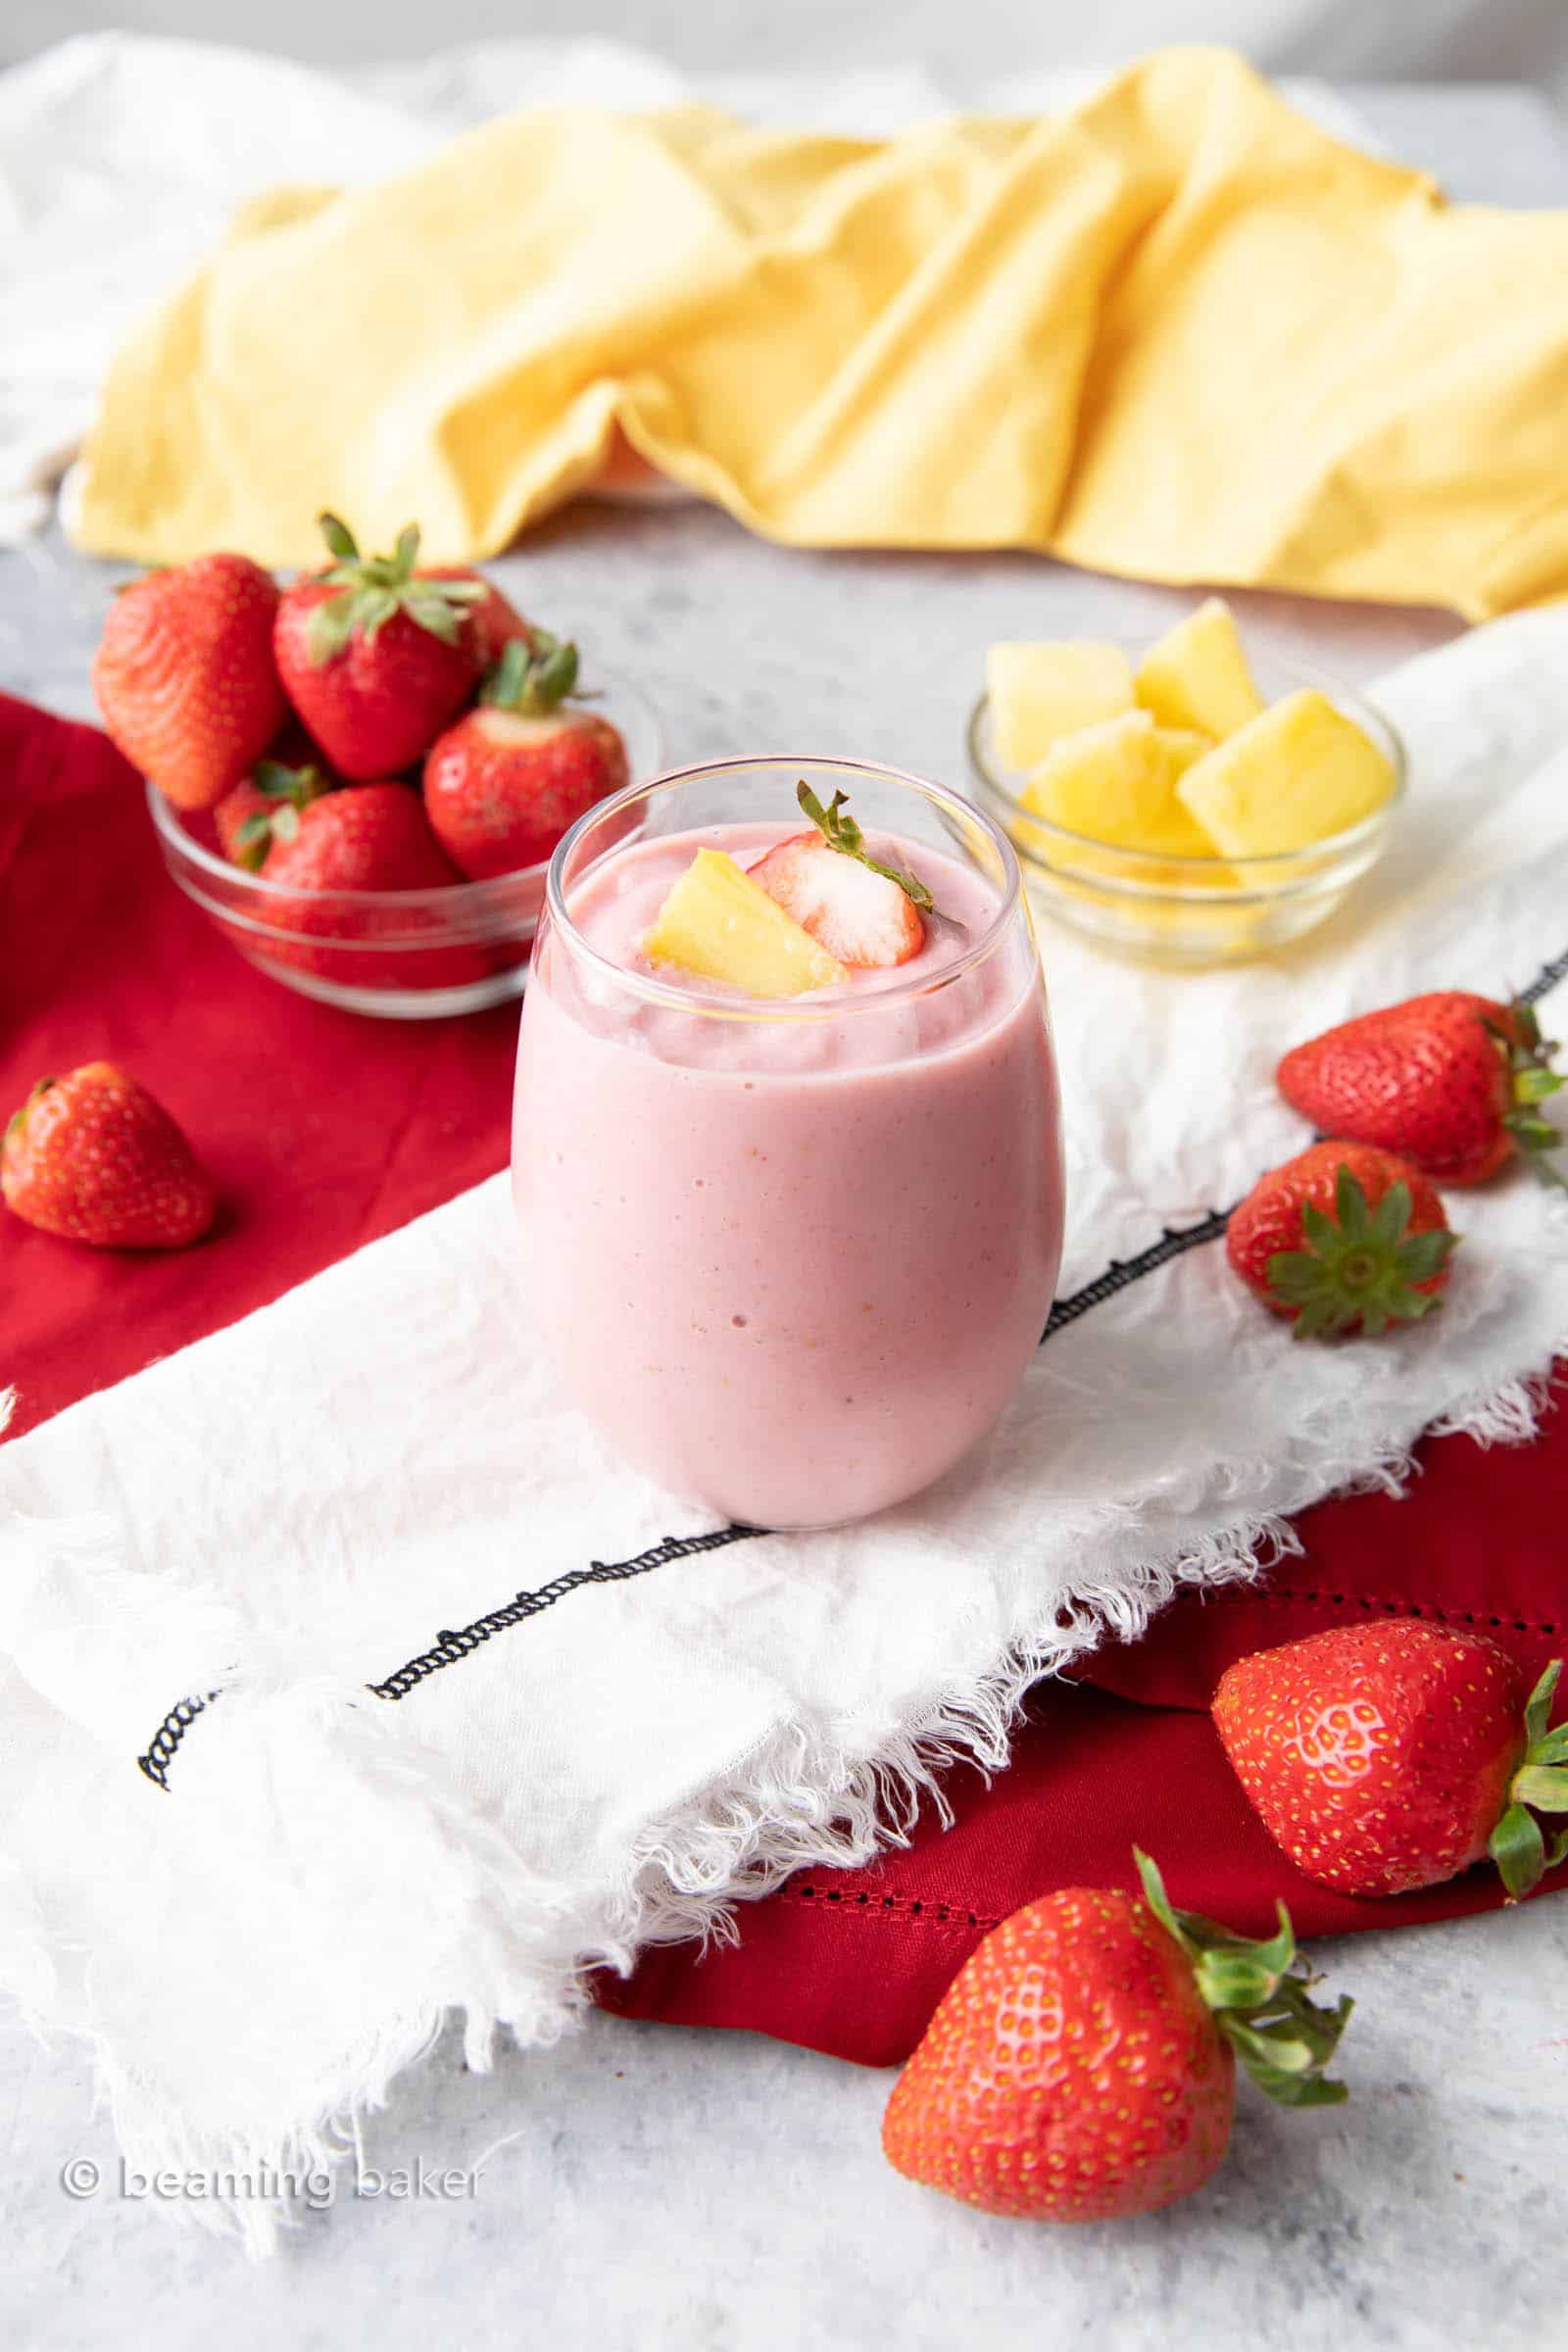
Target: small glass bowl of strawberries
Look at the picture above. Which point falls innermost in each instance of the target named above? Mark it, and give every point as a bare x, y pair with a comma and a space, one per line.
360, 778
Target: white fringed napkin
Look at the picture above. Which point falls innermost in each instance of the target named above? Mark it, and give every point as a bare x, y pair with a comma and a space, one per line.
489, 1708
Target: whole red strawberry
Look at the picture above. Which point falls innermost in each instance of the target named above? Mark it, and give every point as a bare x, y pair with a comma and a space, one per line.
369, 840
509, 779
1389, 1756
1449, 1081
255, 813
94, 1157
374, 655
1081, 2064
185, 677
1341, 1239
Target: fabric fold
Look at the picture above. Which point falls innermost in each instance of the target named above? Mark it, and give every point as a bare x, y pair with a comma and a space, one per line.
1177, 331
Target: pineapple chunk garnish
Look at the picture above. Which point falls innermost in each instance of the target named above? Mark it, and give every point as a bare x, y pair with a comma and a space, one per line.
1297, 773
1196, 675
1041, 692
1116, 782
720, 924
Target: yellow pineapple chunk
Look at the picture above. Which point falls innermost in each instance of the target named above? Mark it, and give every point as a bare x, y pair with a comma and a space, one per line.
720, 924
1297, 773
1180, 748
1041, 692
1117, 782
1196, 675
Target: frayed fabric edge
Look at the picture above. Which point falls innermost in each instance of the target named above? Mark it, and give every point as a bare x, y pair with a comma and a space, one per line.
800, 1801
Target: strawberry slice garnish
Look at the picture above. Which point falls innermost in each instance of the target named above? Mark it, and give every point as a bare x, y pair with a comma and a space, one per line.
858, 915
866, 914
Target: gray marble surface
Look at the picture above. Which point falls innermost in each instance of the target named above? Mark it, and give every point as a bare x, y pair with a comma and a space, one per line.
675, 2188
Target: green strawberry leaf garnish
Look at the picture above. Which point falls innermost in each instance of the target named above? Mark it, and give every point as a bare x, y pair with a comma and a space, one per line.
1518, 1844
1361, 1267
841, 832
370, 589
1259, 1992
532, 675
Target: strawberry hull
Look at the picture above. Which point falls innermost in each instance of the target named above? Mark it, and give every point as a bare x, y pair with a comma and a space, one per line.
1343, 1239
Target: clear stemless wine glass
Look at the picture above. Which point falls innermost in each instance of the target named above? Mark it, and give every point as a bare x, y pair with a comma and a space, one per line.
791, 1256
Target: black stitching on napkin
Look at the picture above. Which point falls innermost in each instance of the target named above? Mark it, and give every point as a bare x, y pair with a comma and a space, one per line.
169, 1735
1173, 1242
449, 1646
453, 1644
1544, 981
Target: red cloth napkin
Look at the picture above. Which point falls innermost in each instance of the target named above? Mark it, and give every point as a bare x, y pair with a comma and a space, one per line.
326, 1129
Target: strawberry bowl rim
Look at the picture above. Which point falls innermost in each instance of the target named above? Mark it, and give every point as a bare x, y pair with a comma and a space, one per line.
496, 897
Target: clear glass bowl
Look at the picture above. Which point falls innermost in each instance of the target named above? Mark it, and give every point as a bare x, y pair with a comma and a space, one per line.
1192, 910
403, 955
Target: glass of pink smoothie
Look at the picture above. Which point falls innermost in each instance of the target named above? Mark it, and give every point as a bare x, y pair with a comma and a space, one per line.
791, 1256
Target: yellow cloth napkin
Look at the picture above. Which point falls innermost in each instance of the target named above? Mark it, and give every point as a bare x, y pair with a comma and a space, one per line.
1179, 332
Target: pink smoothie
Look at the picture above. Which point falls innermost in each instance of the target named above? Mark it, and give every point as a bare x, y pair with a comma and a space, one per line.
792, 1259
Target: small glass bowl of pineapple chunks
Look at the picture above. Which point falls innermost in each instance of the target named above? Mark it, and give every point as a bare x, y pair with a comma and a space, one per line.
1181, 798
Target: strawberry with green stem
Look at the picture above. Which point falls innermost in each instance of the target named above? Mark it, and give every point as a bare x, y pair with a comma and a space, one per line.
1343, 1238
331, 862
1081, 2064
1516, 1842
507, 780
266, 807
377, 656
1390, 1756
1451, 1081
